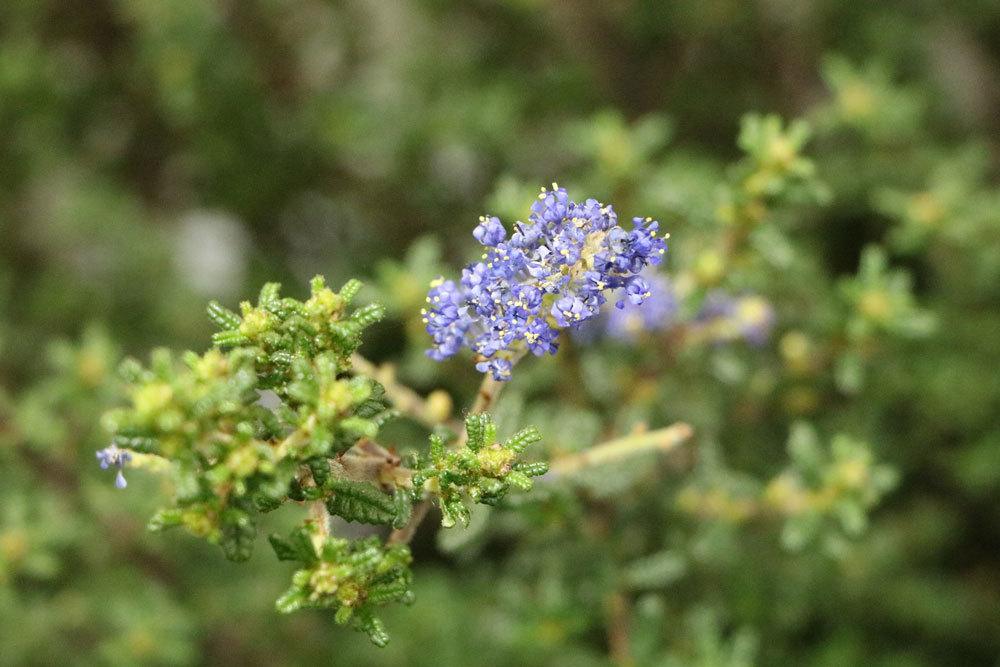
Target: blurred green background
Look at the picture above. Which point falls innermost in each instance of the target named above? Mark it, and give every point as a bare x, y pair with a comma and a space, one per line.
155, 154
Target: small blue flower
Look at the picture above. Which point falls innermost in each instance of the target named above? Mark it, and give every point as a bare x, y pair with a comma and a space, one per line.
499, 367
637, 291
554, 272
541, 338
569, 310
490, 231
112, 455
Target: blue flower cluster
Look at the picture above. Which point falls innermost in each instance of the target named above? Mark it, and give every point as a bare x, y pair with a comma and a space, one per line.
112, 455
552, 273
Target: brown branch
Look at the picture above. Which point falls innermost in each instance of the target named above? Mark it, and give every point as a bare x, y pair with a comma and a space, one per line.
660, 440
486, 396
619, 627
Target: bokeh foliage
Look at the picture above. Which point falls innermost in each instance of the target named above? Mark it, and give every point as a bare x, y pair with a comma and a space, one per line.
159, 154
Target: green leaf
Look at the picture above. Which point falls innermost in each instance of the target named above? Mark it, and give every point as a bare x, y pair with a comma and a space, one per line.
368, 315
361, 502
437, 449
533, 469
224, 318
263, 502
269, 295
283, 549
475, 428
301, 540
373, 627
391, 591
453, 511
350, 290
238, 534
320, 469
343, 615
519, 480
522, 439
403, 506
359, 427
137, 444
292, 600
374, 404
166, 518
226, 339
298, 546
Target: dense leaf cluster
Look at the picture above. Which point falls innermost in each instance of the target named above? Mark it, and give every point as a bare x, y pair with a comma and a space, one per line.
352, 578
483, 470
233, 454
266, 417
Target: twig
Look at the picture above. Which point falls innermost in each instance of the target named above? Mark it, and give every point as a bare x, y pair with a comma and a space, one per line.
321, 516
486, 396
619, 623
660, 440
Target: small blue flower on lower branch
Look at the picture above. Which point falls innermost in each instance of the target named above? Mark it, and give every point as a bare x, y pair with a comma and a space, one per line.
551, 273
112, 455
